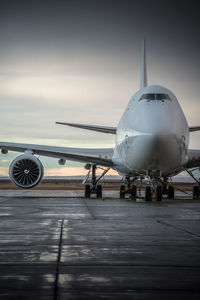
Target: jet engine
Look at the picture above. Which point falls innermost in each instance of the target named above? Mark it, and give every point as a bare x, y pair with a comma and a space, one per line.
26, 171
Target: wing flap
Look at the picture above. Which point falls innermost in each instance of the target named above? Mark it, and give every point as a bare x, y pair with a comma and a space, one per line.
101, 157
104, 129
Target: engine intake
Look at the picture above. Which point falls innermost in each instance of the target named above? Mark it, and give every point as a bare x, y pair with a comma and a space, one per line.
26, 171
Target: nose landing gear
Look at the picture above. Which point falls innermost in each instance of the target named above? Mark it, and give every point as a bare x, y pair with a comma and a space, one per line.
156, 192
153, 193
159, 188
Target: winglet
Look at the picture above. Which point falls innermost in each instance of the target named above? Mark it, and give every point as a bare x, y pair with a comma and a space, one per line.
143, 79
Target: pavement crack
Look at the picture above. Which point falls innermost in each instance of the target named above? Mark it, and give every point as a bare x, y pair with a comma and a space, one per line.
177, 227
58, 261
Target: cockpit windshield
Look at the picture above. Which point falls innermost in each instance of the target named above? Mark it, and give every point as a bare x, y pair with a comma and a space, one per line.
150, 97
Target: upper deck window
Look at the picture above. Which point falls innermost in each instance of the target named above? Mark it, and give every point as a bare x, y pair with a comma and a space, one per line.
151, 97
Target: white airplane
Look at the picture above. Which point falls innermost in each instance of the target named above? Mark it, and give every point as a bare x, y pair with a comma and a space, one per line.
152, 140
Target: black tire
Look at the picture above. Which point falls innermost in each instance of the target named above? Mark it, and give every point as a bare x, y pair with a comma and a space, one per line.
165, 190
122, 193
87, 191
99, 191
171, 192
196, 192
134, 191
148, 195
159, 193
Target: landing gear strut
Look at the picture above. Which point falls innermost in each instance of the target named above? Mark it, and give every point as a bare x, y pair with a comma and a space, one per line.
95, 188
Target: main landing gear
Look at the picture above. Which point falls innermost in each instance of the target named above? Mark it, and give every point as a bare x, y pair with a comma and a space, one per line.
130, 189
94, 188
196, 188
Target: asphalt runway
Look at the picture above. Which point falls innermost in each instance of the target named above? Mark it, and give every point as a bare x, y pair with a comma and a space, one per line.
57, 245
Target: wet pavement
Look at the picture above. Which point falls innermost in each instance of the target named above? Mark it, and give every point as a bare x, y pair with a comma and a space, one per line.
58, 247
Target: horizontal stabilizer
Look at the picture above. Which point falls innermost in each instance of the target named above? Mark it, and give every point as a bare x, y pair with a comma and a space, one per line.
104, 129
194, 128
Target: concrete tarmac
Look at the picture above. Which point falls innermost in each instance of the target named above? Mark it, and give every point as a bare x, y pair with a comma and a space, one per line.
55, 245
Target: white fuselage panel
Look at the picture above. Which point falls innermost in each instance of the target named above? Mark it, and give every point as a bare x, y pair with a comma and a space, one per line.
152, 135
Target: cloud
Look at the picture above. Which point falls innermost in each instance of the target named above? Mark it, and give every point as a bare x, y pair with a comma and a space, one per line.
4, 161
71, 171
3, 171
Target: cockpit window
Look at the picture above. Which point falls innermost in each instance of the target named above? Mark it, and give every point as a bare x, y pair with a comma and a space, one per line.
162, 97
149, 97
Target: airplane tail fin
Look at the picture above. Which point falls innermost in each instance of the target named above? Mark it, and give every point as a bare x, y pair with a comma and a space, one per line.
143, 79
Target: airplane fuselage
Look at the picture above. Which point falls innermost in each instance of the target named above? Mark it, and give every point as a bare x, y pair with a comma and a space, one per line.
152, 135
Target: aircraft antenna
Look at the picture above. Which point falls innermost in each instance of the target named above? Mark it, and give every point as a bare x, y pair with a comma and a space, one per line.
143, 79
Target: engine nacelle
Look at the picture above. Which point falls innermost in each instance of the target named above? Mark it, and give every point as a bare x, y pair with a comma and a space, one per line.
26, 171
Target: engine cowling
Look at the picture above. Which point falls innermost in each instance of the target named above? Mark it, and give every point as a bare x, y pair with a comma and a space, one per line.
26, 171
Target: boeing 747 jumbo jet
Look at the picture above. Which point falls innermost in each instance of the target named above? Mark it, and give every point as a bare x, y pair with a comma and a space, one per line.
152, 140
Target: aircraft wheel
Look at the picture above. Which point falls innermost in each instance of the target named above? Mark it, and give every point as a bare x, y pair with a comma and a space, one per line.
196, 192
171, 192
134, 191
159, 193
99, 191
148, 195
87, 191
165, 190
122, 193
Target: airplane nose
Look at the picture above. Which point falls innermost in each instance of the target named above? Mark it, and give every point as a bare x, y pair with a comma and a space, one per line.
166, 152
154, 152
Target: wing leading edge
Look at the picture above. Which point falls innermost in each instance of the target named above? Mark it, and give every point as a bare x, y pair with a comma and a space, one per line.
102, 157
104, 129
107, 129
194, 128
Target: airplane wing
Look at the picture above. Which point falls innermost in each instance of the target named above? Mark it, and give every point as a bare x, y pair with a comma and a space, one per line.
193, 159
102, 157
194, 128
104, 129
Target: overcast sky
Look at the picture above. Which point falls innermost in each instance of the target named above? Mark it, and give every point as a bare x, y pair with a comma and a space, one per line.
79, 61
